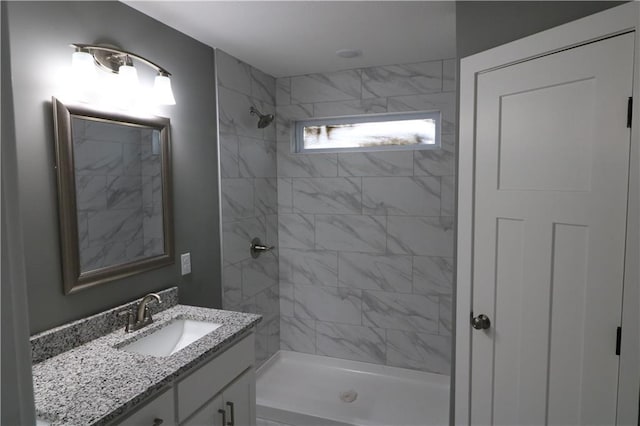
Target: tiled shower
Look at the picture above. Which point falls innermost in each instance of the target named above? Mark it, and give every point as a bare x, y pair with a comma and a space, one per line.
364, 260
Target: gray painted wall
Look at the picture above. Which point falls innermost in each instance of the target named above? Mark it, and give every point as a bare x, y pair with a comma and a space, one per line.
17, 398
481, 25
40, 33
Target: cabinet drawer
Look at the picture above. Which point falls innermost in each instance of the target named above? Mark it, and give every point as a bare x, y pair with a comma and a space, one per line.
161, 408
211, 378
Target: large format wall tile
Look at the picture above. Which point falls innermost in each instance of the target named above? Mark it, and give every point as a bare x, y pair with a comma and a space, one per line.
285, 195
237, 199
234, 116
297, 334
446, 316
266, 196
351, 233
300, 165
286, 114
256, 157
327, 195
375, 272
422, 351
335, 86
354, 107
268, 302
327, 304
366, 238
447, 195
233, 73
248, 167
232, 285
314, 267
443, 102
351, 342
283, 91
395, 163
236, 237
433, 275
296, 231
434, 162
400, 311
413, 196
263, 86
271, 227
427, 236
229, 155
259, 274
286, 298
397, 80
449, 75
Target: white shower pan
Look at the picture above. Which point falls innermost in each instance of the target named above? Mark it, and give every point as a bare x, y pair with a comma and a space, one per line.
308, 390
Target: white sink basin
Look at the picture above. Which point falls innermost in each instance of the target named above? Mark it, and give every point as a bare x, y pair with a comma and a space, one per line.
170, 339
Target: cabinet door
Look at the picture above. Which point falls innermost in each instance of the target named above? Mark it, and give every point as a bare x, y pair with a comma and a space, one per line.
160, 411
210, 379
240, 400
212, 414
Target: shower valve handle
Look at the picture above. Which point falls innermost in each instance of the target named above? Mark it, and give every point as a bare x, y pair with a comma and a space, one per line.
257, 248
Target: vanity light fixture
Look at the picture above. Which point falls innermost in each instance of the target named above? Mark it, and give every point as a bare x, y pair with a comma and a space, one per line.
117, 61
82, 63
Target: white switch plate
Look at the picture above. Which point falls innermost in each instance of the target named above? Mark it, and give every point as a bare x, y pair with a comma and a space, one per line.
185, 262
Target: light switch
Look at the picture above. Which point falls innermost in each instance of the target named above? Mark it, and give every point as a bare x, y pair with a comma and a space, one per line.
185, 262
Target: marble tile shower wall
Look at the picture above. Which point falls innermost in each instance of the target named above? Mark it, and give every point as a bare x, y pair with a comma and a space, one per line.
249, 198
366, 239
118, 193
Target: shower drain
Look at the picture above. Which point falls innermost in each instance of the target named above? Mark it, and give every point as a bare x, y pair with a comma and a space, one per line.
348, 396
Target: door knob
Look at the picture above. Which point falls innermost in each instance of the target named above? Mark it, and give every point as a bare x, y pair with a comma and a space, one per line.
481, 322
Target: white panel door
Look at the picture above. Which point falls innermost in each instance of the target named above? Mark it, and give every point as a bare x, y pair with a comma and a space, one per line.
551, 170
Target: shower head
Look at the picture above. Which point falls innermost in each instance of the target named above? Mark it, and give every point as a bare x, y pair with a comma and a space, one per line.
265, 119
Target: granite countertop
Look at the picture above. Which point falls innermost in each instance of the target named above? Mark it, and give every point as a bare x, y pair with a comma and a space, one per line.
95, 382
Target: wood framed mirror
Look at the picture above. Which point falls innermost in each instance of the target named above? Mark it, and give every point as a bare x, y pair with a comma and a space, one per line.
114, 194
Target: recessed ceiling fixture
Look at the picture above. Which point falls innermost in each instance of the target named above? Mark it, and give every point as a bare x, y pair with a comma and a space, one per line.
120, 62
349, 53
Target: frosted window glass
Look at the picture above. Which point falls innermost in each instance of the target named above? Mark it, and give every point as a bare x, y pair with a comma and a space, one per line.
369, 133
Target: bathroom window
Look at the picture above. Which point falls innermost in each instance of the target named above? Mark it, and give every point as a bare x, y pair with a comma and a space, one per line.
380, 132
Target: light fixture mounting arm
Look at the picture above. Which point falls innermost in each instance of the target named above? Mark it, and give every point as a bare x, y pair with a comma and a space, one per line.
110, 58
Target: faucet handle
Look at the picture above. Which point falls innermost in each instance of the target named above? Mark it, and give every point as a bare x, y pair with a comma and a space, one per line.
147, 314
130, 319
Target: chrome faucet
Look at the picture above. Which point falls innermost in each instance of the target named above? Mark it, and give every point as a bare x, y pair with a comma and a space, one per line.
143, 315
143, 310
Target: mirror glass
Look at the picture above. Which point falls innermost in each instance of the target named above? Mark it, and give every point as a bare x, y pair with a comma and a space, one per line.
114, 194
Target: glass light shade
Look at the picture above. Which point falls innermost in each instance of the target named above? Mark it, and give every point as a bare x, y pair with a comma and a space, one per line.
162, 91
128, 77
82, 64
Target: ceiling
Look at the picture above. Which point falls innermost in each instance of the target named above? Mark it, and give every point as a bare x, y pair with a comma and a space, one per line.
285, 38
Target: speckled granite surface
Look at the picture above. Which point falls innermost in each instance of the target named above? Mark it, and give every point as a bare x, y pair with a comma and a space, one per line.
68, 336
94, 383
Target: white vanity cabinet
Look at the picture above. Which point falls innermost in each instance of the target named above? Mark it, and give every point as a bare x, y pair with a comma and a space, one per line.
233, 407
160, 411
222, 387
